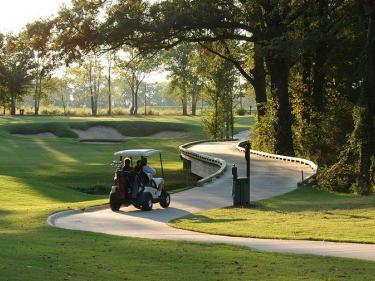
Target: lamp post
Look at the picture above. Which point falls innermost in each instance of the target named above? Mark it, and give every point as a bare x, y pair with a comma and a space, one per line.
247, 157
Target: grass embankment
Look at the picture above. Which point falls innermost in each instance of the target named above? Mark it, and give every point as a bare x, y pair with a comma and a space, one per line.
306, 213
35, 180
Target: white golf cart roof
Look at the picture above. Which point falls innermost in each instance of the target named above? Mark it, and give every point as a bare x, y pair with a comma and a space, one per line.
137, 152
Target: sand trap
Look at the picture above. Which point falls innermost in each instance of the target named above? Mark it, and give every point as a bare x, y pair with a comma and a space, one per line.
99, 133
95, 135
168, 135
40, 135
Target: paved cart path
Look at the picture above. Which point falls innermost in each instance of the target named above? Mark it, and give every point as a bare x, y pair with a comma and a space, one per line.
268, 178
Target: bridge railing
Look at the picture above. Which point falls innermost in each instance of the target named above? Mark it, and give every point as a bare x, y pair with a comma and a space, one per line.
312, 165
186, 153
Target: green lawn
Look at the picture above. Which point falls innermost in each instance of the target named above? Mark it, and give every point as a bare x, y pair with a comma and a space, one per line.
306, 213
40, 177
65, 162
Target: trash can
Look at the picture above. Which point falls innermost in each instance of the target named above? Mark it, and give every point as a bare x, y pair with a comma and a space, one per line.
241, 192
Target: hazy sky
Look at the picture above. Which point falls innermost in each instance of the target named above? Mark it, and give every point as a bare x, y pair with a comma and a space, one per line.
14, 14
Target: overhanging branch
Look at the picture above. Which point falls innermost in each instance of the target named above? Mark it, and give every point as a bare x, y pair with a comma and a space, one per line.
236, 63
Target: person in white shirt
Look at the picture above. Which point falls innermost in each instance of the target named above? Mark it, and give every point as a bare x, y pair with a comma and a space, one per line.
159, 182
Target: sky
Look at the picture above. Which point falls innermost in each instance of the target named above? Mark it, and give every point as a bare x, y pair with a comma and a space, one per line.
14, 14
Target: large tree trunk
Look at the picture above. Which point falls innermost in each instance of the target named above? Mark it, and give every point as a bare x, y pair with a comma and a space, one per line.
13, 104
216, 117
306, 67
4, 104
135, 111
231, 117
132, 106
279, 72
367, 105
228, 118
92, 90
38, 95
321, 56
133, 88
194, 100
259, 84
36, 107
184, 99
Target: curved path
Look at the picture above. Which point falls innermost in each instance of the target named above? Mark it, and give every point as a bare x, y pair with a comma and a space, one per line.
268, 178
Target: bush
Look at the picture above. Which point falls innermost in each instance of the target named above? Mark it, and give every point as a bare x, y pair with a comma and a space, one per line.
241, 111
339, 177
263, 136
120, 111
151, 112
214, 129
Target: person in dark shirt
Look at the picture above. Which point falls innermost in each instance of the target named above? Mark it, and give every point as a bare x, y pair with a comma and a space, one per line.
126, 167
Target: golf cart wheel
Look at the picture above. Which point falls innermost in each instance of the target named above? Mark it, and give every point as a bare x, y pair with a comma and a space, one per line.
165, 199
114, 203
147, 205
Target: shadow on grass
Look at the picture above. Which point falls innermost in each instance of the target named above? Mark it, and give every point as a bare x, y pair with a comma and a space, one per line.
204, 219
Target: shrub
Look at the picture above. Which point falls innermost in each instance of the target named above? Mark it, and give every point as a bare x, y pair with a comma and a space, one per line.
241, 111
263, 136
339, 177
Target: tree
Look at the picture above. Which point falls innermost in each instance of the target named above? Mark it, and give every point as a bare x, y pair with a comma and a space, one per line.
134, 67
219, 80
109, 79
365, 126
16, 61
185, 66
95, 75
177, 62
38, 34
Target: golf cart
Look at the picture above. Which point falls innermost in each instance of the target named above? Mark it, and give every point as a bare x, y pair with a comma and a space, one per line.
136, 188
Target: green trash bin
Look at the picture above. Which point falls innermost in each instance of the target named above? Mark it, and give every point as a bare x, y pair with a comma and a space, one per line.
241, 192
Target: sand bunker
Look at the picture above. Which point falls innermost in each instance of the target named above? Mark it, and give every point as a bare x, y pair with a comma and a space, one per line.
105, 135
99, 133
40, 135
168, 135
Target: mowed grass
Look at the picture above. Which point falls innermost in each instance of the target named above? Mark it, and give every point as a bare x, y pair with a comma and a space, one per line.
31, 250
306, 213
39, 177
65, 162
